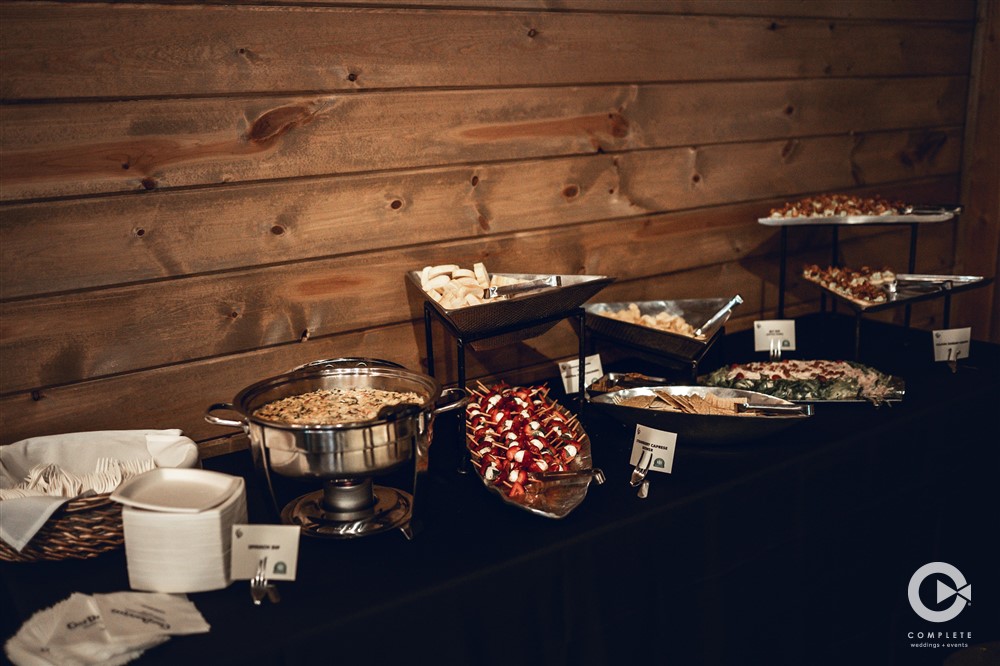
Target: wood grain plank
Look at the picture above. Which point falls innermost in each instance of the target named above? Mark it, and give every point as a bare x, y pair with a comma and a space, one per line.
47, 48
56, 150
905, 10
978, 250
177, 396
901, 10
60, 246
63, 339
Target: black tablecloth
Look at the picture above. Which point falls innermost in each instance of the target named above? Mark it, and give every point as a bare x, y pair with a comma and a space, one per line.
793, 550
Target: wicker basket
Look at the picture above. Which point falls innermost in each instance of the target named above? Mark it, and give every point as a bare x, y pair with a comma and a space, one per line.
80, 529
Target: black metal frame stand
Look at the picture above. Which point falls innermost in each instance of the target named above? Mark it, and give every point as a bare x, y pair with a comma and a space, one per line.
835, 252
686, 366
463, 339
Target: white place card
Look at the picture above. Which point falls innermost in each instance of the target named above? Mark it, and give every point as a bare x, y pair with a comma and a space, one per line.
951, 344
774, 333
279, 544
655, 447
570, 371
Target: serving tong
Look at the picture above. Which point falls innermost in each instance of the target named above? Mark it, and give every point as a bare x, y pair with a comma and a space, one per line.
931, 209
944, 282
748, 407
521, 287
714, 319
594, 473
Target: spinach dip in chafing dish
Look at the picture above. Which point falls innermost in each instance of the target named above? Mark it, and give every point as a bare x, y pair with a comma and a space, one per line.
335, 405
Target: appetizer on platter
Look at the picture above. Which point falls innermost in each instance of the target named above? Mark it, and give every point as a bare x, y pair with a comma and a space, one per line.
708, 404
515, 434
334, 405
863, 286
456, 287
839, 205
661, 321
809, 381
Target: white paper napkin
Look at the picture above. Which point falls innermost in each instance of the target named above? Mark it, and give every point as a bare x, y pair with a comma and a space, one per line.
108, 629
71, 633
147, 613
79, 454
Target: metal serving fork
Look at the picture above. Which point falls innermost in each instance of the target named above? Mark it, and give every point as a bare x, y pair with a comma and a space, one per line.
260, 587
258, 584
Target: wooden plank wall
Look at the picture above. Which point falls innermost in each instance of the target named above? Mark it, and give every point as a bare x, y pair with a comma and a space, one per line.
195, 196
980, 228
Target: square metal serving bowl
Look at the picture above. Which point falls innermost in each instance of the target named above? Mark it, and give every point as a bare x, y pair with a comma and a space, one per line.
696, 311
518, 311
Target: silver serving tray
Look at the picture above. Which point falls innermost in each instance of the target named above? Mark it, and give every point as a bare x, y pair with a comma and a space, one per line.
928, 214
702, 429
618, 381
910, 288
696, 311
897, 390
521, 308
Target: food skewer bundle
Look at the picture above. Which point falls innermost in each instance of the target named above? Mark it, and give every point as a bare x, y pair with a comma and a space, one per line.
516, 433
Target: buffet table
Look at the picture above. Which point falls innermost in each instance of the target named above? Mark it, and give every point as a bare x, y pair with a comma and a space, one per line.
793, 550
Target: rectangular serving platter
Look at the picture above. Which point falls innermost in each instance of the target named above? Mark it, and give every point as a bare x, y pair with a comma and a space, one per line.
619, 381
911, 288
894, 392
914, 218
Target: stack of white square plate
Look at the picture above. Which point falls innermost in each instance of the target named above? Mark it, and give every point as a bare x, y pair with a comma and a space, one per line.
178, 528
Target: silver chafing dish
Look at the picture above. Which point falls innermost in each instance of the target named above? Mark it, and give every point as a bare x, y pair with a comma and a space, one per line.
345, 456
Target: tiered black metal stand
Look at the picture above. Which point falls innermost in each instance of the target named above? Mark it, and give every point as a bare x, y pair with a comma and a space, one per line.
834, 260
685, 369
945, 292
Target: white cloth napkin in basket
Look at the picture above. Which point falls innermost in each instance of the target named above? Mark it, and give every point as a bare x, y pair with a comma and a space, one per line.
75, 465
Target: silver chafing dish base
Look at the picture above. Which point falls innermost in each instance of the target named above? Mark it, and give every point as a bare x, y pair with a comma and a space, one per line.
346, 509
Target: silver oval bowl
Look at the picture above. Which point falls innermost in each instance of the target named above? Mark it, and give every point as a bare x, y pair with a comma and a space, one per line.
770, 415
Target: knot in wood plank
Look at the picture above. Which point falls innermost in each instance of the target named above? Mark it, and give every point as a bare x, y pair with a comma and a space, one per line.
274, 123
922, 147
